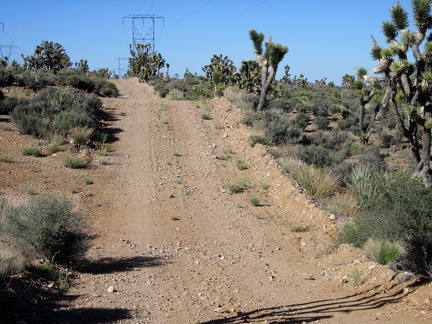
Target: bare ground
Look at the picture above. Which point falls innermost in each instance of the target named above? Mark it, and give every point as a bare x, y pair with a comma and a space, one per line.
175, 247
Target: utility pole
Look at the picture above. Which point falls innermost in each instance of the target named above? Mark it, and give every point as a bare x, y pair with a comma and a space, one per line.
138, 35
121, 68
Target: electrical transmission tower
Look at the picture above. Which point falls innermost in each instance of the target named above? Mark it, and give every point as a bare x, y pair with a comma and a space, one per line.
120, 68
9, 47
141, 35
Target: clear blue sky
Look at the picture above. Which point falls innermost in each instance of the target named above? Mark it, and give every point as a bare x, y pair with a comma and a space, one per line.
326, 38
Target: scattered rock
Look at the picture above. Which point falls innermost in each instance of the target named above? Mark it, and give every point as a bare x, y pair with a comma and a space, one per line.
308, 276
110, 289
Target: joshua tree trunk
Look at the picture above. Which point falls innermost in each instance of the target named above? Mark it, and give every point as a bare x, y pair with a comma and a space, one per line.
266, 80
269, 61
423, 167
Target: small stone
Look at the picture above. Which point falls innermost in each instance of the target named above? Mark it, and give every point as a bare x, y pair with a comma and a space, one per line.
110, 289
308, 276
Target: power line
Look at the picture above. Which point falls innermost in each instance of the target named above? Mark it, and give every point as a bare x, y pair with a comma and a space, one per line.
193, 13
236, 15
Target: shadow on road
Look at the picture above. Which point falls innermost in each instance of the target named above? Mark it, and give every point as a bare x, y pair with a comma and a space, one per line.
313, 311
28, 296
111, 265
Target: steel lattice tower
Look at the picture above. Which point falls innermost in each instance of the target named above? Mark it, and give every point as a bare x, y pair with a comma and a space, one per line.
138, 34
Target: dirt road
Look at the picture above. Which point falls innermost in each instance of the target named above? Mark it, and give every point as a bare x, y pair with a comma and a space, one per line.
174, 246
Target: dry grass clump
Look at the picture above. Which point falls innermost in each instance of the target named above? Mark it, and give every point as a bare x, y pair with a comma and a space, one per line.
316, 181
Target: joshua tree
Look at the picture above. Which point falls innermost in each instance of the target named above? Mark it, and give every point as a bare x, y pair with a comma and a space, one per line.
144, 63
221, 70
47, 56
412, 79
269, 60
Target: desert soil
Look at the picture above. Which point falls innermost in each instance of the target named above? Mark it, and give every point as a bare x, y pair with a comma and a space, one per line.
173, 246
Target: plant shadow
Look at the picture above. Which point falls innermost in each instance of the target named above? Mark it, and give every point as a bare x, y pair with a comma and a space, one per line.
111, 265
106, 118
315, 310
27, 297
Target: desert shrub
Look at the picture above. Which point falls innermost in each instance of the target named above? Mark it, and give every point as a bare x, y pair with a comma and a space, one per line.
49, 226
6, 78
316, 181
8, 104
74, 162
398, 208
32, 118
330, 140
320, 110
301, 120
106, 88
317, 155
382, 251
351, 147
372, 159
12, 259
81, 82
35, 80
81, 135
241, 164
285, 104
54, 111
364, 182
237, 187
346, 123
33, 151
388, 137
65, 121
343, 171
249, 117
257, 139
321, 122
279, 128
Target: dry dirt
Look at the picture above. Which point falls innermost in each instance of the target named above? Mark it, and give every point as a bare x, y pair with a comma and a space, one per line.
173, 246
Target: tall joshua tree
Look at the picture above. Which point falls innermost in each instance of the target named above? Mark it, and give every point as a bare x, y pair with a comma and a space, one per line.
413, 79
269, 61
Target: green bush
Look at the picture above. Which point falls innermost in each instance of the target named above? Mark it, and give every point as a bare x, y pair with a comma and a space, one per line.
49, 226
237, 187
6, 78
398, 208
321, 122
301, 120
7, 104
382, 251
106, 88
318, 156
81, 82
74, 162
32, 118
257, 139
33, 151
65, 121
279, 128
56, 111
346, 124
